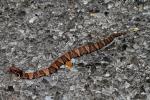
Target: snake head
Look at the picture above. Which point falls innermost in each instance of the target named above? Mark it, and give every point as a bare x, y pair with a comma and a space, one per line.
15, 70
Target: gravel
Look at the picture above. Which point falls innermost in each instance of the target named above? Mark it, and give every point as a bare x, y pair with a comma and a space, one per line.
35, 32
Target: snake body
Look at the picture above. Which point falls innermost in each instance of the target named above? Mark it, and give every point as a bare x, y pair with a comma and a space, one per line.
74, 53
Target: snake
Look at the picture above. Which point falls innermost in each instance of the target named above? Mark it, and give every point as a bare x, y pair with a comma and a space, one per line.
66, 57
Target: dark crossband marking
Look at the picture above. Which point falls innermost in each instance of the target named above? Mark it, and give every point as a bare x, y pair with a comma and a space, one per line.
96, 46
87, 48
60, 60
55, 65
51, 70
46, 71
77, 52
67, 56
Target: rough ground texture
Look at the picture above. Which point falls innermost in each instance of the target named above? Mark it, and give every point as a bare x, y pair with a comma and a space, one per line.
35, 32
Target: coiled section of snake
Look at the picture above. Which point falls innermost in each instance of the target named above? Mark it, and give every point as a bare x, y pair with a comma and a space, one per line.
77, 52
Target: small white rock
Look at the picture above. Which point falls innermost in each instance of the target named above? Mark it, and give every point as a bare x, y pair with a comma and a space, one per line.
127, 85
85, 1
32, 19
48, 98
107, 75
72, 87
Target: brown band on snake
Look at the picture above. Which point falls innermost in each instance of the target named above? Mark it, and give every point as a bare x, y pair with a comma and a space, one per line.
77, 52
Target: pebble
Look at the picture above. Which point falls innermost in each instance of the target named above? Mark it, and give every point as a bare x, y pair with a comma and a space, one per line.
107, 75
48, 98
32, 19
